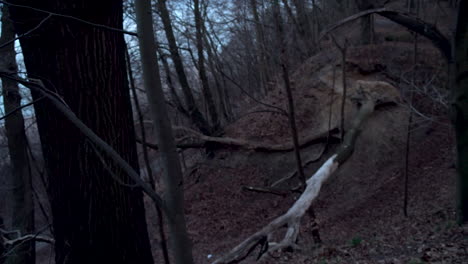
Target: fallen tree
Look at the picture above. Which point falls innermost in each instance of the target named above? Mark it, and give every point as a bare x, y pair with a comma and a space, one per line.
194, 139
291, 219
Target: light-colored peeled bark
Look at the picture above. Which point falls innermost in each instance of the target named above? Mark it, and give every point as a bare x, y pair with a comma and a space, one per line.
293, 216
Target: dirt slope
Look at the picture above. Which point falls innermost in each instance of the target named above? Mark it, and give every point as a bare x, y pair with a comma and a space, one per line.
360, 209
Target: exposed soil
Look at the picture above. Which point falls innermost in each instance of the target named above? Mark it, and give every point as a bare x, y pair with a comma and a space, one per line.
360, 211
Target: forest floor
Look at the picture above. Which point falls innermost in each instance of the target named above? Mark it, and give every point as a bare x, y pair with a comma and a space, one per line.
360, 211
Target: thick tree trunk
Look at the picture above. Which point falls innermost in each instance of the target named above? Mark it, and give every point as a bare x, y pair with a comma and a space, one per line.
23, 202
172, 172
197, 117
460, 107
97, 219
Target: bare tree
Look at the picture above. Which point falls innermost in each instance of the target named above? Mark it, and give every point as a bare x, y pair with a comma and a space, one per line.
97, 216
21, 176
172, 174
197, 117
367, 24
207, 94
460, 107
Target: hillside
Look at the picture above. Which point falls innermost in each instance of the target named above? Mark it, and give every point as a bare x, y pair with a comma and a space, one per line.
360, 211
90, 184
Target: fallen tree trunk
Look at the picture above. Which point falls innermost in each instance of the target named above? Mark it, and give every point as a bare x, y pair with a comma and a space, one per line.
292, 217
201, 141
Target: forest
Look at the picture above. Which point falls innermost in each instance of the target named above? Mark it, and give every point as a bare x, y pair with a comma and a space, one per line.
233, 131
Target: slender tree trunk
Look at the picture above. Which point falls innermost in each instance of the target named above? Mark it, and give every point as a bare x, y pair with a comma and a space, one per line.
345, 88
460, 107
146, 158
219, 87
260, 48
172, 173
303, 21
292, 118
367, 28
207, 94
287, 85
170, 84
96, 218
23, 202
197, 117
2, 248
218, 63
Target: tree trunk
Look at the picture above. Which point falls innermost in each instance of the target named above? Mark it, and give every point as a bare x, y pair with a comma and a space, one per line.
207, 94
219, 87
260, 48
97, 219
195, 114
287, 85
303, 20
460, 107
367, 28
23, 202
172, 172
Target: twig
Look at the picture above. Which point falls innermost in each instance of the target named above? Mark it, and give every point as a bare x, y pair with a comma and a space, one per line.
274, 191
412, 23
26, 33
72, 18
38, 86
21, 107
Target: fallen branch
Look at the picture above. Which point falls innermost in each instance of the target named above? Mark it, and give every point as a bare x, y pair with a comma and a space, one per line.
246, 144
292, 217
412, 23
271, 190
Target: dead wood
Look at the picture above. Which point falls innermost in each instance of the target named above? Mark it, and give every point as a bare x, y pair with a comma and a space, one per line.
411, 22
291, 219
194, 139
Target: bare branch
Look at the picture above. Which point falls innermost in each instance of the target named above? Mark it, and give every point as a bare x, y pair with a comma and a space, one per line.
38, 86
22, 239
70, 17
26, 33
410, 22
21, 107
246, 144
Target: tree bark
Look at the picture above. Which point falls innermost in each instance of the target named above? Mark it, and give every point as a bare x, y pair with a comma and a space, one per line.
97, 219
207, 94
291, 219
260, 48
460, 108
367, 29
172, 172
287, 87
21, 175
410, 22
197, 117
